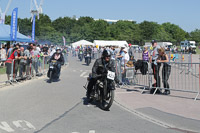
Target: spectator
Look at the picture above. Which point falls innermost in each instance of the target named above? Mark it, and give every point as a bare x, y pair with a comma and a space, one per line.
125, 60
145, 54
35, 54
131, 50
155, 66
112, 51
22, 63
163, 58
9, 52
95, 52
14, 56
52, 50
3, 54
45, 49
27, 53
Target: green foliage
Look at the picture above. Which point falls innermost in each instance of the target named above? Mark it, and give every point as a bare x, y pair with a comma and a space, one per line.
195, 35
89, 29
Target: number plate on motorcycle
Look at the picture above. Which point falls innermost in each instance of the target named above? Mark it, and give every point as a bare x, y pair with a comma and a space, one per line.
51, 67
111, 75
88, 55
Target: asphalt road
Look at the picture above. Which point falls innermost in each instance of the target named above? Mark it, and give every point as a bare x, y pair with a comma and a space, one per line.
40, 107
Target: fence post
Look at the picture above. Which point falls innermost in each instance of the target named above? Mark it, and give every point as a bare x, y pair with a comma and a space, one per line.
199, 85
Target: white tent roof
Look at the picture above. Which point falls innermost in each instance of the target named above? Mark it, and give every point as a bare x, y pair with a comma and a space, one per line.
103, 43
82, 43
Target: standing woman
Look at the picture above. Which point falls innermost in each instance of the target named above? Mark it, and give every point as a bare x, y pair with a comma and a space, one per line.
163, 58
3, 54
145, 54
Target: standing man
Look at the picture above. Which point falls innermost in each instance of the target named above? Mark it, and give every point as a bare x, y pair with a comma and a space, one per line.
22, 64
35, 54
155, 66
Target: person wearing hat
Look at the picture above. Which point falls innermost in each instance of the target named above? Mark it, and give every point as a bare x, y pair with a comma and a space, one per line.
125, 60
155, 66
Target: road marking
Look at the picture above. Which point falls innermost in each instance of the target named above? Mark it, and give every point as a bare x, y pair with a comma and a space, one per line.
123, 92
82, 74
4, 126
19, 122
92, 131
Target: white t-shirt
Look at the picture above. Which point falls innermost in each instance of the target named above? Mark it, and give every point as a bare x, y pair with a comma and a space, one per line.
52, 52
125, 58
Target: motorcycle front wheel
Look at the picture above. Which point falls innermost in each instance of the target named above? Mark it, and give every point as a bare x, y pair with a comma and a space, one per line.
50, 76
106, 102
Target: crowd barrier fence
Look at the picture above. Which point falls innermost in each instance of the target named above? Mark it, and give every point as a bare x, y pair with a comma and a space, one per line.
32, 69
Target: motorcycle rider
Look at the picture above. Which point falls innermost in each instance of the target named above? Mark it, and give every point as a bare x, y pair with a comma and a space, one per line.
88, 51
58, 56
105, 62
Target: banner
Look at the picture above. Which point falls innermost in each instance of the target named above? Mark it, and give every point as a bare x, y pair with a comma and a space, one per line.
64, 40
33, 30
13, 27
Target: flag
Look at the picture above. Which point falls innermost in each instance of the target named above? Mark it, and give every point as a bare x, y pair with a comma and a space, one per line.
13, 28
33, 30
64, 40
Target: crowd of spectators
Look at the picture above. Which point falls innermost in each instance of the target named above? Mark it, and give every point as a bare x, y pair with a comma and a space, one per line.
25, 61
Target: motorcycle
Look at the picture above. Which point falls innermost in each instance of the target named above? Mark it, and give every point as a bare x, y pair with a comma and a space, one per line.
52, 70
80, 56
87, 59
103, 90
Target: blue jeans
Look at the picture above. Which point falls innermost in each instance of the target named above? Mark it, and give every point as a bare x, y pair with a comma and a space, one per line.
58, 70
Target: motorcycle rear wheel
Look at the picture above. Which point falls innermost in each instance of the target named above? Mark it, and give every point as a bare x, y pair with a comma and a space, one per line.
50, 76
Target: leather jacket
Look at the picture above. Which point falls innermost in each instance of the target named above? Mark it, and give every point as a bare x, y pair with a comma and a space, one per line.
101, 67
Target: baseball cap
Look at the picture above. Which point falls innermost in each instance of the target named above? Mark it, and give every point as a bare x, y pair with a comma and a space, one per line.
126, 50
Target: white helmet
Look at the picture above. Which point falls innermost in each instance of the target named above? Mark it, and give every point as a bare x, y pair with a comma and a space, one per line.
58, 48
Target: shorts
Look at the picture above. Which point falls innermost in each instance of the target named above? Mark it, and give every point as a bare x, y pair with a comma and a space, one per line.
8, 68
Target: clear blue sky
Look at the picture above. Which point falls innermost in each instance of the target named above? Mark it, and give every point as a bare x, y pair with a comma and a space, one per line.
185, 13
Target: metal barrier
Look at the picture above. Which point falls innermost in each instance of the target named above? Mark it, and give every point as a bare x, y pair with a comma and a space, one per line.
32, 69
184, 77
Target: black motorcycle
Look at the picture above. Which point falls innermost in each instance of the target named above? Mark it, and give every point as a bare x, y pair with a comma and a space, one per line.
80, 56
52, 70
103, 91
87, 59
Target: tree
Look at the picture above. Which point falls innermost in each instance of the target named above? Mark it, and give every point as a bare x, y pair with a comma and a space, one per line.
149, 30
195, 35
177, 34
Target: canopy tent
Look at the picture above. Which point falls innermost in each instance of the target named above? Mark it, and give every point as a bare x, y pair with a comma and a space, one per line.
5, 34
82, 43
103, 43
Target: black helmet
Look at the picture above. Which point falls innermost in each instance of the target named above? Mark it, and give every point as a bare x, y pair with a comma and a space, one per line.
106, 53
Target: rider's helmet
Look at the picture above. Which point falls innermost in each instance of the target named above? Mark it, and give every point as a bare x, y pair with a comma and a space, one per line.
106, 53
58, 49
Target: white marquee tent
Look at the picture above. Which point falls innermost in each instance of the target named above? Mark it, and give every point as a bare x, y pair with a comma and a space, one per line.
103, 43
82, 43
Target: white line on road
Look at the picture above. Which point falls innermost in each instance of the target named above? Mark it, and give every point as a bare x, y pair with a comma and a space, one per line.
92, 131
4, 126
82, 74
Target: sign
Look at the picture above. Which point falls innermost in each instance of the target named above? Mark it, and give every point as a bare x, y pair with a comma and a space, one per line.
13, 28
111, 75
33, 30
